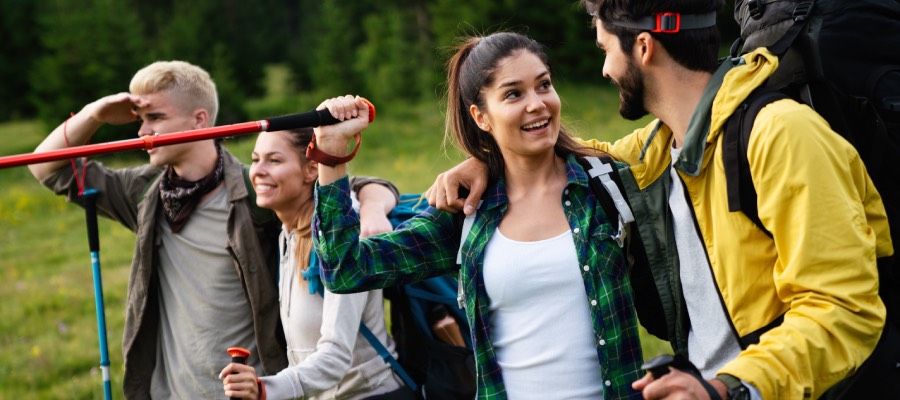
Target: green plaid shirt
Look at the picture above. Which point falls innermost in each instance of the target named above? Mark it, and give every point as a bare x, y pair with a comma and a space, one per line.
426, 246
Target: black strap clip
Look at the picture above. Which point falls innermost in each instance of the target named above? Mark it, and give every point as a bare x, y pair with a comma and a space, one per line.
756, 8
668, 22
803, 10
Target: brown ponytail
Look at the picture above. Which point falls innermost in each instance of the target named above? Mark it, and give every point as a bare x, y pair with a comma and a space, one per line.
302, 226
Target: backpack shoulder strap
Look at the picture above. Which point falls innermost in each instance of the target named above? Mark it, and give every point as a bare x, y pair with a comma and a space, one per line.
386, 356
381, 350
466, 228
739, 183
607, 187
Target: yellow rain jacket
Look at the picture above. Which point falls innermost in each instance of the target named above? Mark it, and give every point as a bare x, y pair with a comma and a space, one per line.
817, 271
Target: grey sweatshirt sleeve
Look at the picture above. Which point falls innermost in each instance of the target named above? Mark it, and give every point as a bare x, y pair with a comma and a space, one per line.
333, 357
357, 182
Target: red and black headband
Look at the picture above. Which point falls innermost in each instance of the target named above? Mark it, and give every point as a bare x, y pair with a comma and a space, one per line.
669, 22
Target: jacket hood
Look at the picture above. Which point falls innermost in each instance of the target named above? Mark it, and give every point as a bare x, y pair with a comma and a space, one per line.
732, 82
752, 72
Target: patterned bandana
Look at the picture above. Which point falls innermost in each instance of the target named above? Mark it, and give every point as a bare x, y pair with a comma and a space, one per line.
180, 197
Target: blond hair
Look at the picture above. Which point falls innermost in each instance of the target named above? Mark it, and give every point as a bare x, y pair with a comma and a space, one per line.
190, 85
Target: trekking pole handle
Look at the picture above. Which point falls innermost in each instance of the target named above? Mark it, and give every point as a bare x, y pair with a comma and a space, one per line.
239, 355
658, 366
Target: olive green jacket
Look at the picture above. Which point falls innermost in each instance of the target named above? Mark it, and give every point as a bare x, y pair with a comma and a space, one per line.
130, 196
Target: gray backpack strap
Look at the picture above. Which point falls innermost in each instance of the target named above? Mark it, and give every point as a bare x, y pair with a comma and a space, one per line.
601, 170
466, 228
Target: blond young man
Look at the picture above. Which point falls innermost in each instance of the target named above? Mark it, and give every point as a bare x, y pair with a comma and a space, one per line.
204, 271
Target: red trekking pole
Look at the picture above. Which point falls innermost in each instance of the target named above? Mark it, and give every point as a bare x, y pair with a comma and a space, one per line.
301, 120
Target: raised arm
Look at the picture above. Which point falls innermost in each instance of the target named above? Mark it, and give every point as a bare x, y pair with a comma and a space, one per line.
333, 139
424, 247
114, 109
421, 250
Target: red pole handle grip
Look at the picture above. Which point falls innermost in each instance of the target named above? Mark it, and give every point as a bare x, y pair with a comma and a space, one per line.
239, 355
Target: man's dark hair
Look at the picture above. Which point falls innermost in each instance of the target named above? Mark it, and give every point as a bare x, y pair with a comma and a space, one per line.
695, 49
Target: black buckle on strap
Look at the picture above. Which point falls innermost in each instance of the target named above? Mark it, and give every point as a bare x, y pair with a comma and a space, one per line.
756, 8
669, 22
803, 10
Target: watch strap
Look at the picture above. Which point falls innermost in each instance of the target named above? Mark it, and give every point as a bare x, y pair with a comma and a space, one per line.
736, 389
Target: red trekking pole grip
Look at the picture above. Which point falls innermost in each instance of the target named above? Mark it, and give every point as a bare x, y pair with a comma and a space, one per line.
239, 355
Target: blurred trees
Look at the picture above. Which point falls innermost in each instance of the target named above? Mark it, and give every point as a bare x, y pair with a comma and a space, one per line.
88, 49
18, 49
60, 54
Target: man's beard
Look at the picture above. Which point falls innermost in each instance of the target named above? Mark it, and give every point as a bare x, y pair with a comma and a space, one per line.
631, 93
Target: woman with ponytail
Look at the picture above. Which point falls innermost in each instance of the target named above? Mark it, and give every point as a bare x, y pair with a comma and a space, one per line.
544, 283
327, 356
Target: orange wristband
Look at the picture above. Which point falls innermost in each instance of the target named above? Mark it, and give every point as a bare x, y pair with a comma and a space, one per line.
313, 153
262, 389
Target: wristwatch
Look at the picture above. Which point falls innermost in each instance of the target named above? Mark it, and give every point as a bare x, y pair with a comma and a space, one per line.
736, 389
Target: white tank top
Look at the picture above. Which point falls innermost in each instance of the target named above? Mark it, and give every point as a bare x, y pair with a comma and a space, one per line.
540, 319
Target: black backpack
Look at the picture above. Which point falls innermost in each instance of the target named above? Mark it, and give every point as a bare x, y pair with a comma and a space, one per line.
434, 350
840, 58
438, 370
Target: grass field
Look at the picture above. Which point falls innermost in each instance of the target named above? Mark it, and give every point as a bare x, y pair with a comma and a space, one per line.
48, 329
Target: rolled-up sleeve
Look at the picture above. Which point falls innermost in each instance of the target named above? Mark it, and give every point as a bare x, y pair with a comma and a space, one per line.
422, 248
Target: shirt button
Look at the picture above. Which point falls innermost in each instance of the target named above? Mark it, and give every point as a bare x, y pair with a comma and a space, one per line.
607, 383
568, 203
576, 230
566, 191
586, 268
593, 302
602, 342
321, 233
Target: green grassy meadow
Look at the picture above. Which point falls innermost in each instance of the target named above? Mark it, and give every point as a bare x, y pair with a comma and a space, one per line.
48, 328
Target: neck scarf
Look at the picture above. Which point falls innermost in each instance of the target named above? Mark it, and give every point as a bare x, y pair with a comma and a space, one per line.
180, 197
